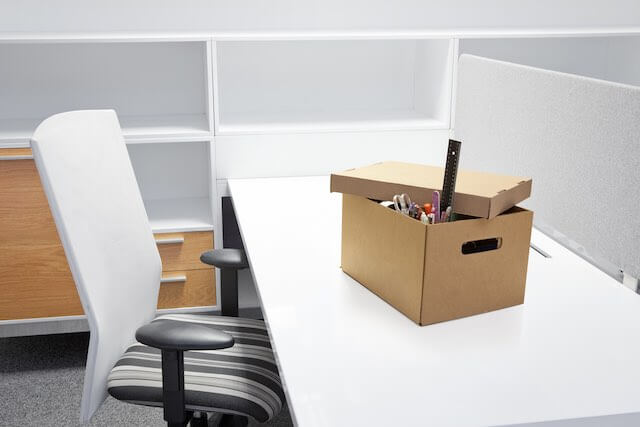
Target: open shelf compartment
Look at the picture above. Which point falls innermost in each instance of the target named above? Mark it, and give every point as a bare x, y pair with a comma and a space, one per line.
158, 89
174, 179
341, 85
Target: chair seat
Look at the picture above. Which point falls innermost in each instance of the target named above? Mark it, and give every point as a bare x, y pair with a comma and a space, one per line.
242, 379
225, 258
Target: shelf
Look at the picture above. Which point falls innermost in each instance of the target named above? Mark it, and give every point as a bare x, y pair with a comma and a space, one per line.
136, 129
170, 127
174, 215
17, 132
292, 122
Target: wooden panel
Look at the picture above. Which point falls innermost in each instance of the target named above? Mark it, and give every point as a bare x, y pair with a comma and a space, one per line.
35, 280
183, 255
199, 289
4, 152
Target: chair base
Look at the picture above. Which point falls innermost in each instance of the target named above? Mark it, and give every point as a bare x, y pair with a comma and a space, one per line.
228, 420
199, 419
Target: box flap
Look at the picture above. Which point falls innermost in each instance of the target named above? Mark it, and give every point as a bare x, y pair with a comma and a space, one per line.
477, 194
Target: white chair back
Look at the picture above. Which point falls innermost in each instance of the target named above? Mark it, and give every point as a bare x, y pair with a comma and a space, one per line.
87, 176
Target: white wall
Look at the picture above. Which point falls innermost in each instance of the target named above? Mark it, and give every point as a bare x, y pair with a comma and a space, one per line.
316, 15
135, 79
171, 170
615, 59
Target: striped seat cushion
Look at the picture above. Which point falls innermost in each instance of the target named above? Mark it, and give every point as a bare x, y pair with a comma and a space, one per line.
242, 379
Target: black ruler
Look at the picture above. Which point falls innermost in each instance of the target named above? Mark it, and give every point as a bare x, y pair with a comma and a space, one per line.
450, 175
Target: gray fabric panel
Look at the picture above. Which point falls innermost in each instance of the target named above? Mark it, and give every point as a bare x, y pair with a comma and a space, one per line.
577, 137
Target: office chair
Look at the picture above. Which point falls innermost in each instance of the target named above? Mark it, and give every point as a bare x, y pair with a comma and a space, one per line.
188, 364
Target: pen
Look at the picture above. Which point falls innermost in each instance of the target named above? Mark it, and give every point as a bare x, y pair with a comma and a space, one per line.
436, 205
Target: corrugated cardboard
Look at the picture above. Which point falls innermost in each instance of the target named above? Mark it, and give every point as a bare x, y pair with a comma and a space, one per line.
421, 269
477, 194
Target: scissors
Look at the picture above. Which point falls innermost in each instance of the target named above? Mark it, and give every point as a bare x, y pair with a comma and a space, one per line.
402, 203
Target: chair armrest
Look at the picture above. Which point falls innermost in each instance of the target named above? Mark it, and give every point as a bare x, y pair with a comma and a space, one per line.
172, 335
227, 258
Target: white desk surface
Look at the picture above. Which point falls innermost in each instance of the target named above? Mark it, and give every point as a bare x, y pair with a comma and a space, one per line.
347, 358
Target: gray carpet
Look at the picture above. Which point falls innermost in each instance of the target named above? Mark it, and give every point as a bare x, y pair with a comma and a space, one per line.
41, 385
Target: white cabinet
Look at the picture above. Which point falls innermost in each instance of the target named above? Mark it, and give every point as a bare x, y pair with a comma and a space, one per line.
161, 92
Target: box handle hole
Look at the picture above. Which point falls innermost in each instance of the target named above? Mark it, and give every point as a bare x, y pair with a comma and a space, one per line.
483, 245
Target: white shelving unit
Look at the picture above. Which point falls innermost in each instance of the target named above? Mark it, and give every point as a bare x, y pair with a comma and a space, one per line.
197, 110
264, 93
162, 93
336, 85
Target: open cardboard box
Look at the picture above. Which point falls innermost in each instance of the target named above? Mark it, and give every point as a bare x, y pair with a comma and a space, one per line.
437, 272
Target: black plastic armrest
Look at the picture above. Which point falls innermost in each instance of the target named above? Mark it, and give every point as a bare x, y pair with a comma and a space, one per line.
171, 335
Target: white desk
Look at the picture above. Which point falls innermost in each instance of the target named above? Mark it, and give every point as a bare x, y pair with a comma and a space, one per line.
347, 358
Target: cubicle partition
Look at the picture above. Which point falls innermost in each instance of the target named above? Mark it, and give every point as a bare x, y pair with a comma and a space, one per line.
578, 137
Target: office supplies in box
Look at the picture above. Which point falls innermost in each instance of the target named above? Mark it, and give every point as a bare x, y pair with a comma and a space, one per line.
436, 272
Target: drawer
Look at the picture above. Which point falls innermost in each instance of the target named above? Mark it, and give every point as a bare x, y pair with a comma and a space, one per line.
181, 251
35, 281
190, 288
25, 218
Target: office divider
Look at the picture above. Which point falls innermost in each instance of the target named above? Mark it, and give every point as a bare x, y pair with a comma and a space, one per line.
577, 137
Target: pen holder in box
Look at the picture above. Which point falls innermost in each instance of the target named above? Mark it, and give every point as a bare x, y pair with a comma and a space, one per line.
437, 272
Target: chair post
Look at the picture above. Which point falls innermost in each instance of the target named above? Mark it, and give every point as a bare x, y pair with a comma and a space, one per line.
229, 291
173, 388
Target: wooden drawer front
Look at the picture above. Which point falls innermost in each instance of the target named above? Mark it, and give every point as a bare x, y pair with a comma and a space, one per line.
191, 288
181, 251
25, 218
35, 280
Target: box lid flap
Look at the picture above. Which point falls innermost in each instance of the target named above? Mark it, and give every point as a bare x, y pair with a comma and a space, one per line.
477, 194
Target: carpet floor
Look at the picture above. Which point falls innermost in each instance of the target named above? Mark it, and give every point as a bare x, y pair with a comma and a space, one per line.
41, 385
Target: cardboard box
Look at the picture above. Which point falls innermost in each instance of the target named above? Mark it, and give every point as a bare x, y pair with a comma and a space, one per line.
433, 273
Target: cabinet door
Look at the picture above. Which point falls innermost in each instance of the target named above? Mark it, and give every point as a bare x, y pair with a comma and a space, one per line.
35, 280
